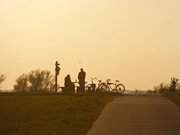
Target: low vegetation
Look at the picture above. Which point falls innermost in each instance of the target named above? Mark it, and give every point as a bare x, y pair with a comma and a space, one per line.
171, 90
49, 115
2, 78
173, 96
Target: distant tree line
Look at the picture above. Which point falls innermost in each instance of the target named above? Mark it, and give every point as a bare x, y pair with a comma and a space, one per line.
172, 86
35, 81
43, 81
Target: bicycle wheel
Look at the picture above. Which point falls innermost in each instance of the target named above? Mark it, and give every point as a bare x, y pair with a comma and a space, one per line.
102, 88
88, 88
119, 89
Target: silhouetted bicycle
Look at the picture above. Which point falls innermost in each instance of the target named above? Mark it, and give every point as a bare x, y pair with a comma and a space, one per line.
88, 87
92, 86
117, 87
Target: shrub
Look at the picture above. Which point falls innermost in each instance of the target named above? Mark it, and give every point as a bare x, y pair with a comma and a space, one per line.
35, 81
161, 88
173, 84
21, 84
172, 87
2, 78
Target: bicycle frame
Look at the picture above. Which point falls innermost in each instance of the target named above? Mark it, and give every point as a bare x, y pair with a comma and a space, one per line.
108, 86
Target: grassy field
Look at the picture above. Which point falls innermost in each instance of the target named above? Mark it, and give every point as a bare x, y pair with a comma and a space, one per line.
49, 114
173, 96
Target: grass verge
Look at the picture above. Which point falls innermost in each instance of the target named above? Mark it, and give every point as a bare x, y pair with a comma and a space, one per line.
173, 96
49, 115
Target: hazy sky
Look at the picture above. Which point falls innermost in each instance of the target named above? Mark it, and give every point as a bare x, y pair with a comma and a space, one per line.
135, 41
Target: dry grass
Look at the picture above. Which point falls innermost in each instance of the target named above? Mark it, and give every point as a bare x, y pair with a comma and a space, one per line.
49, 115
173, 96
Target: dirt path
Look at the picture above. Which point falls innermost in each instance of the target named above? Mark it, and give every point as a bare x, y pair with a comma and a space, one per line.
138, 115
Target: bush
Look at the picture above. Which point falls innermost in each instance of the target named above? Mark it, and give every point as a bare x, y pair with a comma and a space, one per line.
172, 87
21, 84
2, 78
173, 84
161, 88
35, 81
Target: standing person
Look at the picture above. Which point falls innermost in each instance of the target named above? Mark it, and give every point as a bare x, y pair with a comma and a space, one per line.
82, 78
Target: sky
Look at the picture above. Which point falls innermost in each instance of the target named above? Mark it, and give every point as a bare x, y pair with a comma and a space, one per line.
134, 41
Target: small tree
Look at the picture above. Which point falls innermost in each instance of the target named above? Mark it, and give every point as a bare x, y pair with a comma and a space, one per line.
2, 78
35, 81
161, 88
21, 84
41, 81
173, 84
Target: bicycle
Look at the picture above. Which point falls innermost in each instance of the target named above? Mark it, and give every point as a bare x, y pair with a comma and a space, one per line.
117, 87
92, 86
88, 87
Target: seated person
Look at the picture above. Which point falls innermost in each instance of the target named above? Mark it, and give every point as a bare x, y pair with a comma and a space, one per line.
68, 85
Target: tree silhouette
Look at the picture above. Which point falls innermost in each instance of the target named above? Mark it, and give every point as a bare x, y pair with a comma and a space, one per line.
21, 84
173, 84
2, 78
35, 81
161, 88
41, 80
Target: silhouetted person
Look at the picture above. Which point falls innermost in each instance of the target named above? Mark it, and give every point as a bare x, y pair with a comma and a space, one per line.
82, 78
68, 85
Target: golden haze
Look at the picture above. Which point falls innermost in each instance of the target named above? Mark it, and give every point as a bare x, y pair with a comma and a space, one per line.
135, 41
